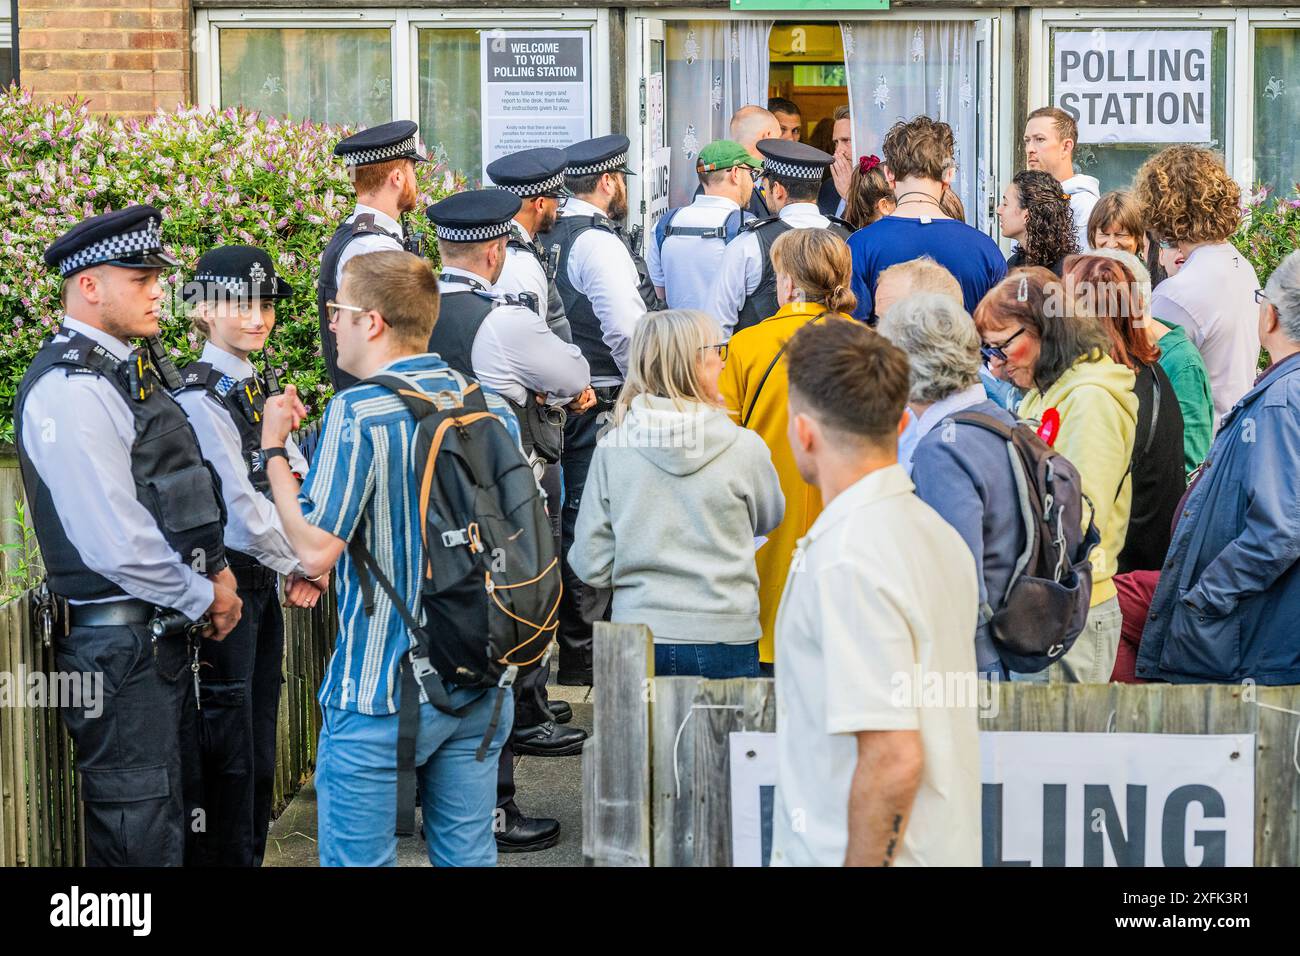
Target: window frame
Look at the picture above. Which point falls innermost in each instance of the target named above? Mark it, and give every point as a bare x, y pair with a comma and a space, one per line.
403, 25
1287, 18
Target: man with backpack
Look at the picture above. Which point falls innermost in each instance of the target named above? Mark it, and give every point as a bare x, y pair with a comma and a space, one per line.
396, 704
686, 250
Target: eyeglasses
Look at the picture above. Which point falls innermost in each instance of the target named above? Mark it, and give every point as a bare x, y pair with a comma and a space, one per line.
990, 352
1260, 297
332, 307
722, 350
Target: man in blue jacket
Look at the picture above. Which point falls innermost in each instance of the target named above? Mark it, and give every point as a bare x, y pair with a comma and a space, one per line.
1229, 592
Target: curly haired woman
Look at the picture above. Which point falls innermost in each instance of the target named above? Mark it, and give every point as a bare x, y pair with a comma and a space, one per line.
1036, 214
1192, 205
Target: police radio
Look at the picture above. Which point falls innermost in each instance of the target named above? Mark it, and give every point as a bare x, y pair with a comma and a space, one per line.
413, 242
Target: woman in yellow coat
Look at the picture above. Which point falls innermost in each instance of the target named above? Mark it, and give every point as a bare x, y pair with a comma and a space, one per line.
813, 269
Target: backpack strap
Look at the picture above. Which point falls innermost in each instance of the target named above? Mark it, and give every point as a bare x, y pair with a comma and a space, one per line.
744, 422
662, 227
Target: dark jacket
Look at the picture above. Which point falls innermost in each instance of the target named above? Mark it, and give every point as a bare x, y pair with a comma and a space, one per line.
963, 472
828, 200
1017, 259
1159, 478
1229, 595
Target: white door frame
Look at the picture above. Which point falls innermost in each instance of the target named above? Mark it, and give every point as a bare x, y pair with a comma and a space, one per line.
1003, 23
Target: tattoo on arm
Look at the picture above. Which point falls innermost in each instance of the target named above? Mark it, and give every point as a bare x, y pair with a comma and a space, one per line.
893, 841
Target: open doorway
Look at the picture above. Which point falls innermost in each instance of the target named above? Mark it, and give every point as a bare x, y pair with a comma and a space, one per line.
806, 67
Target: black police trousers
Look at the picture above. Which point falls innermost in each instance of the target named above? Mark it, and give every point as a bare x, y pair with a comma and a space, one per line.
530, 691
580, 435
235, 729
129, 754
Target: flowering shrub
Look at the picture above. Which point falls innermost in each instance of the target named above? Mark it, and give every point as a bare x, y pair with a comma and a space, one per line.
218, 177
1269, 233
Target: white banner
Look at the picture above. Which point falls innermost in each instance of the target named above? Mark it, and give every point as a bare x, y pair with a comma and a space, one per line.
656, 182
1069, 799
536, 90
1134, 86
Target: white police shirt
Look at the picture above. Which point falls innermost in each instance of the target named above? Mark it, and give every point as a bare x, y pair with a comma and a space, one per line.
371, 242
742, 264
516, 355
686, 267
253, 525
601, 268
78, 432
522, 273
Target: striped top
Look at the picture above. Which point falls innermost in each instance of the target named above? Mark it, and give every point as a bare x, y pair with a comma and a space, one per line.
363, 468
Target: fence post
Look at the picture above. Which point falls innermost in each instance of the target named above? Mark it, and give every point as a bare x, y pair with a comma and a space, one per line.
617, 787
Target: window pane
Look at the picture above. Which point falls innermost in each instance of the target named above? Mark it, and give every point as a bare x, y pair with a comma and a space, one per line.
450, 114
6, 67
335, 75
1115, 163
1277, 107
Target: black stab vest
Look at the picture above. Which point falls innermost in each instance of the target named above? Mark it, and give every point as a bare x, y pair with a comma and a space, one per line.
582, 317
761, 303
243, 400
556, 320
327, 289
175, 485
460, 315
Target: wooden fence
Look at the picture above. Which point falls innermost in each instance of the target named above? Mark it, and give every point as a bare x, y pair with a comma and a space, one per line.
40, 815
656, 785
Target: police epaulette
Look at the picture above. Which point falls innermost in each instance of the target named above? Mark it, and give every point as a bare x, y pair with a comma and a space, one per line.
756, 223
203, 375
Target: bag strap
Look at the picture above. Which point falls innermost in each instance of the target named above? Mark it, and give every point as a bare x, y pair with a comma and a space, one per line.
744, 422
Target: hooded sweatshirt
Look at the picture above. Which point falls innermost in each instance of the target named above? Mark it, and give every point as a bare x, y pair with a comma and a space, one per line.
1099, 412
672, 504
1084, 191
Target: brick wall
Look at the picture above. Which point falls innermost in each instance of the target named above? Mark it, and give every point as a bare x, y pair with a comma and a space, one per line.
127, 56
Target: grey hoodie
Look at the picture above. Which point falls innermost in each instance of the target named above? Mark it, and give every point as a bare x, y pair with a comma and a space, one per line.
668, 517
1084, 191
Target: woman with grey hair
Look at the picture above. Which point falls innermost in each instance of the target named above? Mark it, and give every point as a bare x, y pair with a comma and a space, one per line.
1229, 593
960, 470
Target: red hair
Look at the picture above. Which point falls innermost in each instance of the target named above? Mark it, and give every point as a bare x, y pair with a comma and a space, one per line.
1104, 287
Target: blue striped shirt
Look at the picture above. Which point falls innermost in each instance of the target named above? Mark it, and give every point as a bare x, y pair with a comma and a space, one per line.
363, 469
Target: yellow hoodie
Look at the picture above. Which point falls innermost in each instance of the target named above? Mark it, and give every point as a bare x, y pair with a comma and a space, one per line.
1099, 411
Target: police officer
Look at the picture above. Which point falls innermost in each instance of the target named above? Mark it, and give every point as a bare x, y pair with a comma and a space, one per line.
686, 248
381, 165
745, 293
606, 289
536, 176
129, 520
503, 343
232, 301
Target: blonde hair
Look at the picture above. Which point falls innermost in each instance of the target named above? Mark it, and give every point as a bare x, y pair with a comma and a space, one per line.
665, 356
923, 274
820, 264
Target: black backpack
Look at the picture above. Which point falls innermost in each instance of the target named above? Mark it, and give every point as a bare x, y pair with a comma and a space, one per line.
490, 589
1047, 599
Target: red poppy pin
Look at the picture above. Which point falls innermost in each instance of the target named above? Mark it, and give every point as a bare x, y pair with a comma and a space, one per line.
1050, 427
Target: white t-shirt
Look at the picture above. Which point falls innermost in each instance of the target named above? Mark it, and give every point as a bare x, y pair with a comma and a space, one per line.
880, 589
686, 267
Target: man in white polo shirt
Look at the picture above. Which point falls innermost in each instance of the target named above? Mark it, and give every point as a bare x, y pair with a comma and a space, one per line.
879, 606
685, 251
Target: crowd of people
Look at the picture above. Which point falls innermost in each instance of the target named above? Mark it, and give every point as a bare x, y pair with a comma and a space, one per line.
792, 440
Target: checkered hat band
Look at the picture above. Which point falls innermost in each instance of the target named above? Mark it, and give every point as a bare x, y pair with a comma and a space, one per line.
524, 190
475, 234
604, 166
233, 285
148, 238
791, 170
380, 153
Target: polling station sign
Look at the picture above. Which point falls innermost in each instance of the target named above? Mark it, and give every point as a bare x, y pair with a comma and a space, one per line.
1067, 799
535, 88
1134, 86
1074, 799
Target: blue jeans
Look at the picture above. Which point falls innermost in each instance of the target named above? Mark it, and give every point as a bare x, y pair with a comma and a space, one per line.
356, 784
716, 661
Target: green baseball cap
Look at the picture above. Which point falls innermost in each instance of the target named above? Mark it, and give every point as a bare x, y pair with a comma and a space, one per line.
724, 154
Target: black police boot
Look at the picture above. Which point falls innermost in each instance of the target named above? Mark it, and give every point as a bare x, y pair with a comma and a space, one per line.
527, 834
548, 740
560, 710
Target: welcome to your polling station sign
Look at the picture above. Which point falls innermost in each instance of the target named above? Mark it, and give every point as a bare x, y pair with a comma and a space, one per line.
1134, 86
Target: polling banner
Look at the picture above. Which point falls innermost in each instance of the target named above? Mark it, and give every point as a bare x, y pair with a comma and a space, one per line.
1134, 86
1067, 799
536, 90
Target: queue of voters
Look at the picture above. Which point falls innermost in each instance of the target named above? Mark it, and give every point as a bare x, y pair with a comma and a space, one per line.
814, 427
